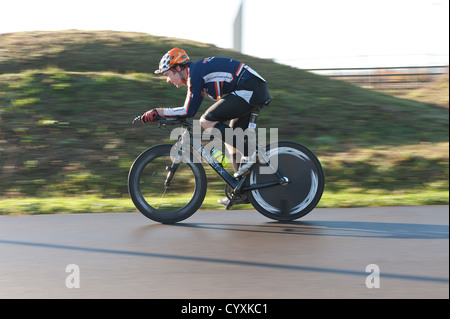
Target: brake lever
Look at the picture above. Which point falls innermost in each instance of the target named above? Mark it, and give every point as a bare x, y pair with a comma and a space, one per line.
137, 118
159, 125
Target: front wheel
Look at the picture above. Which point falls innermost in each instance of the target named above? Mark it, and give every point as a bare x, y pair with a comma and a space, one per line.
305, 182
161, 201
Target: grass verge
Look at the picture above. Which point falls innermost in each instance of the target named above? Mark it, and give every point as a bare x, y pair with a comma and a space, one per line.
91, 204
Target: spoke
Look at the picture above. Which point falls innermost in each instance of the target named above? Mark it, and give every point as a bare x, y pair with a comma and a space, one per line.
161, 197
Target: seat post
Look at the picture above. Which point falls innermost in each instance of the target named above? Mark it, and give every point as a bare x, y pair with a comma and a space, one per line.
253, 117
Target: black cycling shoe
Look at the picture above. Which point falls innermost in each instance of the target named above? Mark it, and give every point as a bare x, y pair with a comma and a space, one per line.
236, 201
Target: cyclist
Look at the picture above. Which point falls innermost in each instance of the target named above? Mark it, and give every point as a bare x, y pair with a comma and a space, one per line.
236, 87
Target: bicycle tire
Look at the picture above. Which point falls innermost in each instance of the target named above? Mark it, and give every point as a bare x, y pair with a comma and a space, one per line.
148, 193
303, 191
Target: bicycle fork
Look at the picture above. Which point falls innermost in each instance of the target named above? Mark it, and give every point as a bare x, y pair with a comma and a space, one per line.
173, 168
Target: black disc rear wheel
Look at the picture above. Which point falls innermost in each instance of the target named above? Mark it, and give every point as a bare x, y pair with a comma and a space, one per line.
304, 188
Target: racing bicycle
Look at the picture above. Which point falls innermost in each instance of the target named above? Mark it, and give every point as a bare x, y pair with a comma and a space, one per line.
167, 183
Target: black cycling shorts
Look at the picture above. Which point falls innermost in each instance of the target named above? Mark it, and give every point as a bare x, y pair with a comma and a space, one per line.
235, 107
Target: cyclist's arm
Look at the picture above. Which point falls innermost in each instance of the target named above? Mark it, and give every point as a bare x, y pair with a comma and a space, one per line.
194, 98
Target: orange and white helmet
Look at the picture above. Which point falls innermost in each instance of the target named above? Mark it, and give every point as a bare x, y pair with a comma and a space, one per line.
171, 59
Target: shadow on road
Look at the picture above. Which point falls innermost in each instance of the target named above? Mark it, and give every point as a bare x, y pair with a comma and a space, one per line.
221, 261
334, 228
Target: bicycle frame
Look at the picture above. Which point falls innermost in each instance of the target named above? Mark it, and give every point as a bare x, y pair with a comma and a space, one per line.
235, 184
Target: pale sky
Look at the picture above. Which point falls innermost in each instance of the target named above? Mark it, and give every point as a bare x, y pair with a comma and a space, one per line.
306, 34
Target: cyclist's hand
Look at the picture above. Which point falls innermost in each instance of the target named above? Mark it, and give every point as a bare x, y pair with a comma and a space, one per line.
150, 116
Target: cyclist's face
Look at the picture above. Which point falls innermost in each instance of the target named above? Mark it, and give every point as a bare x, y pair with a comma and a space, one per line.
173, 77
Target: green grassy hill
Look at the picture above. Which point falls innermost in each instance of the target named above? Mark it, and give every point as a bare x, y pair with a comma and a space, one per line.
67, 100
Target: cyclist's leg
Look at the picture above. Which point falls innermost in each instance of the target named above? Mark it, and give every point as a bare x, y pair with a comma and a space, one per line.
255, 92
227, 108
239, 123
237, 106
233, 108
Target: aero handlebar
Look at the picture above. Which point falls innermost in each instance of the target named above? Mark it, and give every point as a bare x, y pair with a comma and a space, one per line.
164, 121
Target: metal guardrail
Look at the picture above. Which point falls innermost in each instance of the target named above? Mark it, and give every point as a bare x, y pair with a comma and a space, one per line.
386, 78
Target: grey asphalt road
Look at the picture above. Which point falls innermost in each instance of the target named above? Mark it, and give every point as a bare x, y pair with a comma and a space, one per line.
401, 252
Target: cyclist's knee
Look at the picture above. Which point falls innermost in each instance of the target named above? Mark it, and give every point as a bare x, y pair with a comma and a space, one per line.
206, 123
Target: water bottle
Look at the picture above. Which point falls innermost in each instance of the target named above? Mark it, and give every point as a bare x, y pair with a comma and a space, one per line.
220, 157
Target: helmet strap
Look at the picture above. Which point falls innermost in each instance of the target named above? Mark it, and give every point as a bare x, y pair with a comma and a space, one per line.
181, 75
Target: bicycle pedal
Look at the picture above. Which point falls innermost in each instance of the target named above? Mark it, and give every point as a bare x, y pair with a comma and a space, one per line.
229, 205
236, 201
